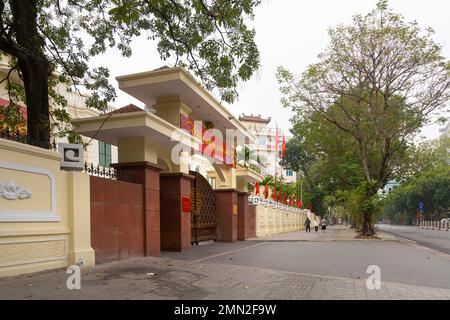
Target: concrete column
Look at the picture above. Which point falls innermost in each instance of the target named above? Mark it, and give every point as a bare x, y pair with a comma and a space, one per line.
80, 250
175, 197
137, 149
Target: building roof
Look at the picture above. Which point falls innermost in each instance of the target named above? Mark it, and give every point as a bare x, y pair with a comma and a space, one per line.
165, 82
127, 109
254, 118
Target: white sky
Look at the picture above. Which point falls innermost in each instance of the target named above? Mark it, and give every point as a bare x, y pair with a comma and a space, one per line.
290, 33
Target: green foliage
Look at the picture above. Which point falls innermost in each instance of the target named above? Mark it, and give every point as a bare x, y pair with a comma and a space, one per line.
210, 38
428, 182
359, 107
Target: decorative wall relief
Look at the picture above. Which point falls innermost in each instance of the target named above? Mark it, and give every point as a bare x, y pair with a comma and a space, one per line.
40, 190
10, 191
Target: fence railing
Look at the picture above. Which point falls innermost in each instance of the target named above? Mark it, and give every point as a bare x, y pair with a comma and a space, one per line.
435, 225
100, 171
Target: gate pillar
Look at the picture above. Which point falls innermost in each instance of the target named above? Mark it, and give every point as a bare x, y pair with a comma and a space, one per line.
227, 214
175, 198
246, 217
147, 174
243, 211
246, 213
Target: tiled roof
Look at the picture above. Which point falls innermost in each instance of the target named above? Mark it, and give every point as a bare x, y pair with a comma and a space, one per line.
127, 109
254, 118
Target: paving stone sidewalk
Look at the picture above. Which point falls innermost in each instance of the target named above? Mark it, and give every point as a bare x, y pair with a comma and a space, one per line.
161, 278
334, 233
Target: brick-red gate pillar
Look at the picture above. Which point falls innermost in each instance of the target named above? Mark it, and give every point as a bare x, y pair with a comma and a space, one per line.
146, 174
175, 200
226, 214
242, 215
246, 217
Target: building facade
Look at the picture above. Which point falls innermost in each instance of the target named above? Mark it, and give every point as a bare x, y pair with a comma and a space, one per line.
266, 148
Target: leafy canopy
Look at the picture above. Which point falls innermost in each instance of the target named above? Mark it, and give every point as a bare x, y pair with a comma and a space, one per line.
210, 38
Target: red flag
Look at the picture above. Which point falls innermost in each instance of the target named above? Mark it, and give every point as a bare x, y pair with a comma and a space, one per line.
300, 204
267, 190
283, 148
285, 198
257, 188
274, 193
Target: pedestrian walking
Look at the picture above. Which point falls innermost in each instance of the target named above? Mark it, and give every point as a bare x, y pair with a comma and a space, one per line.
323, 224
308, 225
316, 224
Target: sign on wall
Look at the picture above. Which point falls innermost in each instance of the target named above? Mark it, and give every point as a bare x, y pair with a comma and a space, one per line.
186, 204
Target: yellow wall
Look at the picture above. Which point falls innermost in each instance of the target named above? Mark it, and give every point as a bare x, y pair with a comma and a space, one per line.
271, 220
52, 228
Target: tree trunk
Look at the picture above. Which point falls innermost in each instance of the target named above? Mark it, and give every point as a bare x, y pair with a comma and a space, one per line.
35, 69
368, 228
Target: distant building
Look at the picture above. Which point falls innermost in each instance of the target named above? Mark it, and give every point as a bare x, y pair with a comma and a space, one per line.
389, 187
265, 145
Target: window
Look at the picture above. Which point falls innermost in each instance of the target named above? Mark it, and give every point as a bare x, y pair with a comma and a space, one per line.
104, 154
262, 141
289, 173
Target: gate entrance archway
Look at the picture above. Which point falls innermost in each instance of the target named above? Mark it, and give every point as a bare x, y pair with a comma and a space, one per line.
203, 210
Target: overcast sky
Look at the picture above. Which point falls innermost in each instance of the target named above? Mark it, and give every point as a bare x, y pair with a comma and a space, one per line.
290, 33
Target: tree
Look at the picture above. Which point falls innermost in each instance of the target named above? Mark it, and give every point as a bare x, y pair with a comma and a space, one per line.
379, 80
51, 42
426, 178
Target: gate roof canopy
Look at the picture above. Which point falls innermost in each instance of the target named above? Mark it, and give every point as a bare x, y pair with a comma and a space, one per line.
147, 87
164, 82
131, 121
248, 175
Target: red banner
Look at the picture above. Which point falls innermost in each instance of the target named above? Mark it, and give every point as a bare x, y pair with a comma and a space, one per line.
212, 146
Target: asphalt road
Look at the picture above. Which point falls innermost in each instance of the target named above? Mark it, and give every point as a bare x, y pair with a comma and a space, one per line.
399, 261
434, 239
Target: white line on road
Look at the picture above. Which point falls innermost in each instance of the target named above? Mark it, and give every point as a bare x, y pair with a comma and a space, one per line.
228, 252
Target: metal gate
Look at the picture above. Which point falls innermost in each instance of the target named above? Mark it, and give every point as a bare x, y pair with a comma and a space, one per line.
203, 210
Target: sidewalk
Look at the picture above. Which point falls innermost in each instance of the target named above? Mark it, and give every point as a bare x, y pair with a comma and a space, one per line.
334, 233
159, 278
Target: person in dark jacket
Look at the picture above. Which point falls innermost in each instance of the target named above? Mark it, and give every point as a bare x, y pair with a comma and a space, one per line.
308, 225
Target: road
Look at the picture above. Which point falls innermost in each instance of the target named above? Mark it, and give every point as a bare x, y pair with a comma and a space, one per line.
399, 261
290, 266
434, 239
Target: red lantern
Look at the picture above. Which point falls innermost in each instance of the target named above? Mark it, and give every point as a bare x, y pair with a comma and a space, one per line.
267, 190
257, 188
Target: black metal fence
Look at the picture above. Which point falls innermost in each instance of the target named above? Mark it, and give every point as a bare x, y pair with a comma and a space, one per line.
22, 138
100, 171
